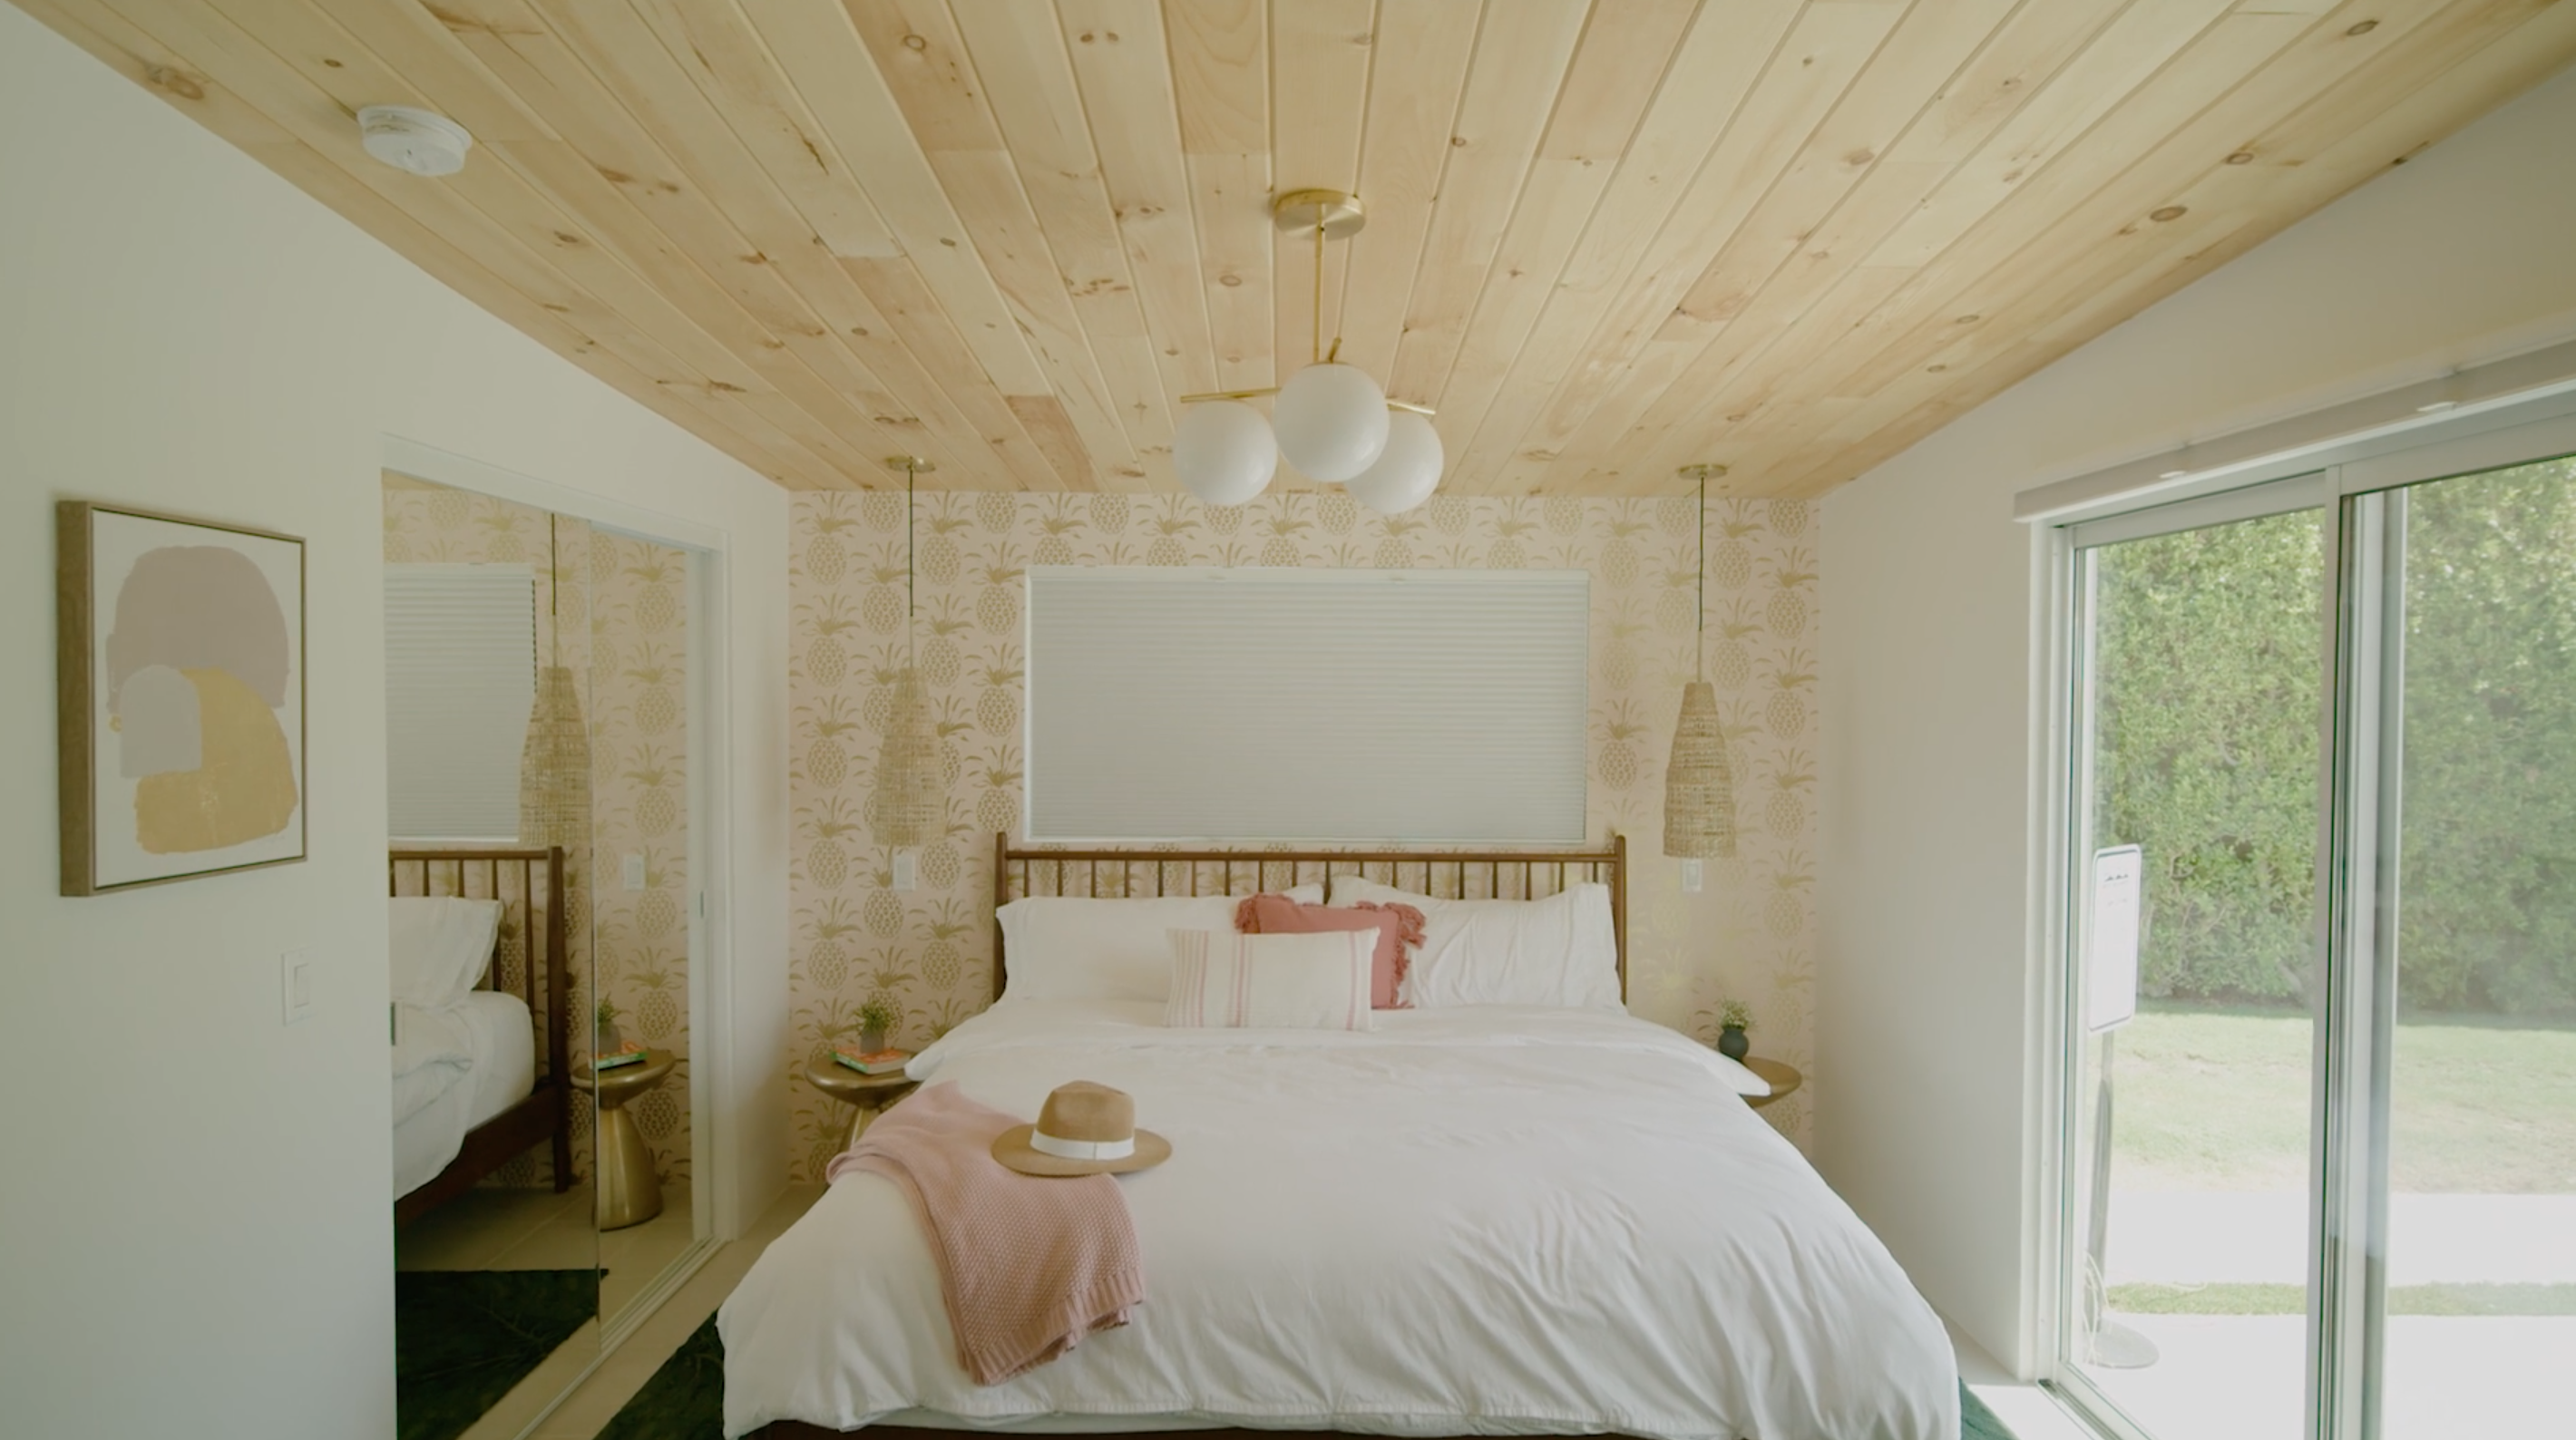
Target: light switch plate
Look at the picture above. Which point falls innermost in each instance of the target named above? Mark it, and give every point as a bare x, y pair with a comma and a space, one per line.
295, 985
907, 869
1694, 876
634, 872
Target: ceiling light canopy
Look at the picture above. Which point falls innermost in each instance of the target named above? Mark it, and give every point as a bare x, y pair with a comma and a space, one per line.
1332, 421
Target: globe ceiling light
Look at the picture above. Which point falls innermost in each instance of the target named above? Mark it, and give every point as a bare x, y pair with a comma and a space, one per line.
1331, 418
1332, 421
1223, 451
1407, 470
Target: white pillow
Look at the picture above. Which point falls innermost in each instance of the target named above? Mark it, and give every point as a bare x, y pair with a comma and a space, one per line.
1558, 951
441, 947
1229, 980
1077, 948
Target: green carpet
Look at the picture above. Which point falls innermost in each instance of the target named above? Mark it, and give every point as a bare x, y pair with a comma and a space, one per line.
685, 1399
462, 1338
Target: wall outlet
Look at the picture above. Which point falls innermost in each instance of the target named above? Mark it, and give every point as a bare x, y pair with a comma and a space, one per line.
634, 872
1694, 876
907, 869
295, 985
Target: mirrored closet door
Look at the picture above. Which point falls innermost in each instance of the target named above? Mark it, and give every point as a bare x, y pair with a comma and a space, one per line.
538, 730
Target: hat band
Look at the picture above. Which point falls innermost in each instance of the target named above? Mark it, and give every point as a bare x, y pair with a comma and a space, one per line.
1046, 1144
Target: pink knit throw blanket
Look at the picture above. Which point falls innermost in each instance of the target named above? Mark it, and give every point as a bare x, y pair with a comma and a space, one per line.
1029, 1265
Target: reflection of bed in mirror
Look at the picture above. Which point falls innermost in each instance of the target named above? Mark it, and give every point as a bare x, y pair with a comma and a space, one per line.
464, 1122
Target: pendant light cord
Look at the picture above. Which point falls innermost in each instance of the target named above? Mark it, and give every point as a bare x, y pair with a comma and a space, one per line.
1317, 343
1701, 644
908, 583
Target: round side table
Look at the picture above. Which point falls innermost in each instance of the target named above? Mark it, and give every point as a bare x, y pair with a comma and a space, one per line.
623, 1181
866, 1095
1784, 1077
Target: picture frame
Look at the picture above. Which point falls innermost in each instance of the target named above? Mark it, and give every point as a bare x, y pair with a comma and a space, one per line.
180, 689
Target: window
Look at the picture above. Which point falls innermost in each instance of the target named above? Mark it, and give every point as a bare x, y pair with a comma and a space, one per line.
1317, 705
460, 678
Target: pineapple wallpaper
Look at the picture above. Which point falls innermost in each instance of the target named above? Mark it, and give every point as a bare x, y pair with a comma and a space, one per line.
611, 608
1750, 934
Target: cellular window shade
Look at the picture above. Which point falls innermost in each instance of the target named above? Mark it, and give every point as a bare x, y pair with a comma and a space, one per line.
460, 678
1331, 705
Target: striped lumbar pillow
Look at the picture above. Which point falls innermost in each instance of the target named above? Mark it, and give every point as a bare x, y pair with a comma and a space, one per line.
1225, 979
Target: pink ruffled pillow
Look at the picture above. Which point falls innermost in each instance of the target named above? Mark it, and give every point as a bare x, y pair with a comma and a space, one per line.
1397, 927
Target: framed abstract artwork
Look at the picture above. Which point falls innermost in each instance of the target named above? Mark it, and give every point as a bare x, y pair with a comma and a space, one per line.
180, 670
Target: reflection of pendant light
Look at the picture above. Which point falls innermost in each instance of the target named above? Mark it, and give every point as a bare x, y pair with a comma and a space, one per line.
909, 806
1332, 419
1699, 789
554, 766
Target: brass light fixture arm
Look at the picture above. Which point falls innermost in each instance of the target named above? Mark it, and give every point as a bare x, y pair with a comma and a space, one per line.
1273, 390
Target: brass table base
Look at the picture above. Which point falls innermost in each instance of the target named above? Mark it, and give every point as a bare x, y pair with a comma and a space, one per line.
625, 1188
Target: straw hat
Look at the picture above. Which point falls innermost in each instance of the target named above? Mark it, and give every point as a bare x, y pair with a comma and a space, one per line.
1083, 1129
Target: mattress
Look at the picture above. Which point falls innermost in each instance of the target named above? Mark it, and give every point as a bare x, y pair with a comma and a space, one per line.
495, 1035
1482, 1220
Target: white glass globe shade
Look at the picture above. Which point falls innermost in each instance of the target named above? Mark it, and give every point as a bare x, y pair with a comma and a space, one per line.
1406, 472
1332, 421
1223, 452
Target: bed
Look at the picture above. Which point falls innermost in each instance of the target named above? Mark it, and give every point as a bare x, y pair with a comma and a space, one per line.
457, 1123
1487, 1220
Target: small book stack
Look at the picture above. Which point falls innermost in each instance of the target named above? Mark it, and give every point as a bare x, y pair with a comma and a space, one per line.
630, 1053
873, 1062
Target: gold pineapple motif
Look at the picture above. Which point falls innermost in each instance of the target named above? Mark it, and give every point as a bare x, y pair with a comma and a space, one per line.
825, 555
1787, 610
1337, 512
1281, 548
1109, 513
1395, 552
1784, 813
938, 558
1730, 660
826, 660
827, 956
997, 511
1786, 711
1619, 553
997, 607
1730, 561
1564, 515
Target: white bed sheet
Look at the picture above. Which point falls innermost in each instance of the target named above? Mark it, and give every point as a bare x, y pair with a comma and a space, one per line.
497, 1035
1485, 1220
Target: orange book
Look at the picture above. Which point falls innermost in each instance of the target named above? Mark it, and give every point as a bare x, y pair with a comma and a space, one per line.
874, 1062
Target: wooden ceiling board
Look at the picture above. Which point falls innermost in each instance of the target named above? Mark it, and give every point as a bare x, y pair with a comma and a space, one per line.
1606, 237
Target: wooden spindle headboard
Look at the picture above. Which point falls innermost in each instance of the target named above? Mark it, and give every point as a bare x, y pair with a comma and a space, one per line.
1109, 873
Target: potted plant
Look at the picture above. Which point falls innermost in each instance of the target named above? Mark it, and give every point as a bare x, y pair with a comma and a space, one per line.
876, 1017
604, 1039
1733, 1019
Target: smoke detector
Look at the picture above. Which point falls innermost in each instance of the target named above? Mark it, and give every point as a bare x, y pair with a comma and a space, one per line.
414, 140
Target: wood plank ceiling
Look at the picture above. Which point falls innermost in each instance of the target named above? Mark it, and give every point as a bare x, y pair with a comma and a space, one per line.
1604, 238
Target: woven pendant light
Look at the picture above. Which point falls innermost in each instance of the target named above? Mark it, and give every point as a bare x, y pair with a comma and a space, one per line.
909, 806
1699, 788
554, 765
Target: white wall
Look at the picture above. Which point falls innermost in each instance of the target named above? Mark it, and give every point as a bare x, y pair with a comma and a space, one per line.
194, 1218
1930, 697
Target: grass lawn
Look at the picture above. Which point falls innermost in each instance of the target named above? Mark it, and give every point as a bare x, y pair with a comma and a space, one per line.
2218, 1100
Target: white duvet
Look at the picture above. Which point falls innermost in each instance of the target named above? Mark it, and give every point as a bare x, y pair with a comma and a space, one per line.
1485, 1220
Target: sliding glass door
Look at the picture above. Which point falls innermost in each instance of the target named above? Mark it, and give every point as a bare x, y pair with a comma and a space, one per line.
2194, 1027
2318, 1099
2467, 1153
